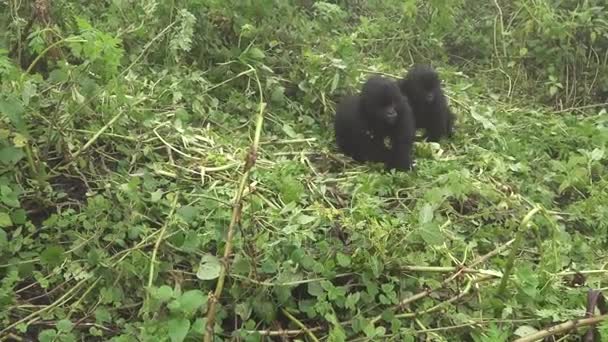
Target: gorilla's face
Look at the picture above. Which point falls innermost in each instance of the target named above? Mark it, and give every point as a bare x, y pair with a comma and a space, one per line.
422, 84
380, 99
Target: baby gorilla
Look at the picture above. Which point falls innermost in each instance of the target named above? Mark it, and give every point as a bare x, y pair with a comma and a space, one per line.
363, 121
422, 87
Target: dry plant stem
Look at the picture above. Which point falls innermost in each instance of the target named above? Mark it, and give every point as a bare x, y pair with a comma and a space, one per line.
447, 269
572, 109
301, 325
562, 328
444, 283
281, 332
160, 238
236, 216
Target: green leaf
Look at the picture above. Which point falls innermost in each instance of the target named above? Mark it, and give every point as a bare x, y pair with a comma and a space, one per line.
178, 329
278, 95
264, 309
191, 301
431, 234
19, 216
240, 266
256, 54
305, 219
58, 76
28, 92
525, 330
163, 293
10, 155
597, 154
9, 197
288, 130
334, 82
352, 300
48, 335
102, 315
209, 267
336, 334
315, 289
5, 220
156, 196
12, 108
198, 327
52, 256
426, 214
65, 326
343, 259
188, 213
3, 239
243, 310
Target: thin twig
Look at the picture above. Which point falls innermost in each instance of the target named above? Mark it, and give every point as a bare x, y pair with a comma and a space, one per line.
300, 324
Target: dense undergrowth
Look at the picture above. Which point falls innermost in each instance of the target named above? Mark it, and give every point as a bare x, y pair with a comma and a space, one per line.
126, 127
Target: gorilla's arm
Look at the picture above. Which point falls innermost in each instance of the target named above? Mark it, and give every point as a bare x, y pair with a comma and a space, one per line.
402, 139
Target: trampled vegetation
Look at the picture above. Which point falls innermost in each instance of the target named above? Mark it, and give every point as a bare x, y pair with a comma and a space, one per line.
142, 142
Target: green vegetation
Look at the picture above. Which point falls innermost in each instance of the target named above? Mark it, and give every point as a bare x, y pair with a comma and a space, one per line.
127, 139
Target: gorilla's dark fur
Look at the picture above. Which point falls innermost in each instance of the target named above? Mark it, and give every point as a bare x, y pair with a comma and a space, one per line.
422, 87
363, 122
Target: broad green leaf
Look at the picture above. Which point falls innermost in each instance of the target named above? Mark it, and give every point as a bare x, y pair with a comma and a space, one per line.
191, 301
156, 196
426, 214
102, 315
278, 95
12, 108
3, 239
431, 234
597, 154
52, 256
178, 329
343, 259
288, 130
47, 335
65, 325
315, 289
9, 197
209, 267
5, 220
58, 76
163, 293
352, 300
305, 219
256, 53
525, 330
188, 213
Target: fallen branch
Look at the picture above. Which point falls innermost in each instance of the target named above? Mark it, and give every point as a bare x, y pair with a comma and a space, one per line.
562, 328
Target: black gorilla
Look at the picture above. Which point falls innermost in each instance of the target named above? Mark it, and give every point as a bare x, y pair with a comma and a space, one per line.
363, 121
422, 87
